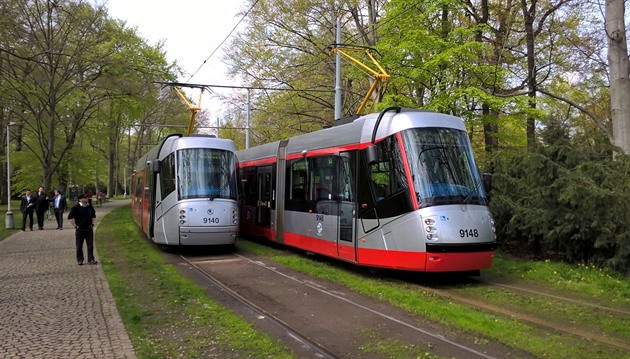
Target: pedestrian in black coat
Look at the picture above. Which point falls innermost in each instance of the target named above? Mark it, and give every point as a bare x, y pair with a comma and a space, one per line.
27, 206
82, 217
41, 207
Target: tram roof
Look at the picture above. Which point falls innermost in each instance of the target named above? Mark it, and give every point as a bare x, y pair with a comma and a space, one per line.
355, 132
197, 141
361, 129
176, 142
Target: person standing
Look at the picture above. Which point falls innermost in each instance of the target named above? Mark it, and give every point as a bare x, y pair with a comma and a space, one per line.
82, 217
41, 207
27, 206
59, 205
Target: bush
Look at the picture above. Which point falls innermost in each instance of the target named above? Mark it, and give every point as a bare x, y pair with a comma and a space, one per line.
561, 201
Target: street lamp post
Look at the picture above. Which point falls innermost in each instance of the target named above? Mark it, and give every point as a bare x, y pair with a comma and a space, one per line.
8, 219
125, 181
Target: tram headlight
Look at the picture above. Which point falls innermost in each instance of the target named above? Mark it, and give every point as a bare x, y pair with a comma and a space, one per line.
183, 216
431, 229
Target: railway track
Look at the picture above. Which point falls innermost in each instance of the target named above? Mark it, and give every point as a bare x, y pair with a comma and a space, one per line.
307, 332
526, 317
318, 320
570, 326
556, 297
306, 344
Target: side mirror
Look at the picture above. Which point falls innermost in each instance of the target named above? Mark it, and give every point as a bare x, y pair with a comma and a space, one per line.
371, 155
157, 166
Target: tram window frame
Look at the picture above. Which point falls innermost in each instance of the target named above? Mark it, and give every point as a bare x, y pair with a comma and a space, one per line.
139, 190
323, 174
387, 176
310, 180
249, 185
296, 192
167, 175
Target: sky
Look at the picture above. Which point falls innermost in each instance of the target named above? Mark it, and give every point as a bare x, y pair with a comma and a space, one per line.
191, 31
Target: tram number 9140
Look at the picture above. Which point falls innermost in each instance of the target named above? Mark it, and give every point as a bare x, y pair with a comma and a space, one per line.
210, 220
465, 233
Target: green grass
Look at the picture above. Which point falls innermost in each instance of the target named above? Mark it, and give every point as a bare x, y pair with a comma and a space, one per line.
17, 219
393, 349
450, 313
167, 315
588, 281
566, 314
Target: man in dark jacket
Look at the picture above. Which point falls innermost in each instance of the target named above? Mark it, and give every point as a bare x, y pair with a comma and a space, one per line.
27, 206
41, 207
82, 217
59, 204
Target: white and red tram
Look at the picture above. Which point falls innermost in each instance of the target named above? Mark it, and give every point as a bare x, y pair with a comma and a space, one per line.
399, 190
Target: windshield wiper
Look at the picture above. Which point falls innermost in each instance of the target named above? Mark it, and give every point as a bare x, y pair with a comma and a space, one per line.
471, 193
215, 195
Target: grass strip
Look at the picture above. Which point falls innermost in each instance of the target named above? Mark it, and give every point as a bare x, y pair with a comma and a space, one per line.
586, 280
167, 315
486, 326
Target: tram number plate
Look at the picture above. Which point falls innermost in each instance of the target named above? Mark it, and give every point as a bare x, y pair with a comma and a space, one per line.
468, 233
207, 220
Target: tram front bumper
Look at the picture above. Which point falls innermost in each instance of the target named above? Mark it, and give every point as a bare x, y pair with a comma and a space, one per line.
204, 236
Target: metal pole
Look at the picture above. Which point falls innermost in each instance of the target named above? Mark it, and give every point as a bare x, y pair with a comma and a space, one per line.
248, 119
8, 219
338, 104
125, 179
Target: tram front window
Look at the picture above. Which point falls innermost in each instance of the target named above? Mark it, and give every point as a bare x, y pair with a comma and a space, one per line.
206, 173
442, 167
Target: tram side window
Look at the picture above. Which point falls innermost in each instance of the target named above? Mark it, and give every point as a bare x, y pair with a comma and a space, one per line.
139, 185
388, 174
322, 178
167, 175
249, 185
297, 186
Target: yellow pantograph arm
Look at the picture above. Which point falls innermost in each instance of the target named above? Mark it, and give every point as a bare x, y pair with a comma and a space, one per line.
380, 76
193, 109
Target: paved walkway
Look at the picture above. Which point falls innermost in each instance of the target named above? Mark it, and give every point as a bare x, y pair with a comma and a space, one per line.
50, 307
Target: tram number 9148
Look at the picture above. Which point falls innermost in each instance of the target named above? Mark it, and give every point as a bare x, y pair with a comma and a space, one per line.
210, 220
463, 233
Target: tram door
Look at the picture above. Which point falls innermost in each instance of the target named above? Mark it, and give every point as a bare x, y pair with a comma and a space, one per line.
263, 203
346, 169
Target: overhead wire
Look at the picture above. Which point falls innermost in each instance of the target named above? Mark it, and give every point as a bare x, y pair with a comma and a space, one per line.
376, 27
224, 40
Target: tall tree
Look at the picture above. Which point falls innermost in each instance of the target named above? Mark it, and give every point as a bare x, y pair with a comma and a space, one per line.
51, 74
536, 18
619, 73
286, 46
135, 67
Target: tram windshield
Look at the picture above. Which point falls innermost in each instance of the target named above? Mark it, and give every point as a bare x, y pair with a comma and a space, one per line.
442, 167
206, 173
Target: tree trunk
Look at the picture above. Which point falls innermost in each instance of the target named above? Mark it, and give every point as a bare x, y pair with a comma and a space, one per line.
528, 17
619, 74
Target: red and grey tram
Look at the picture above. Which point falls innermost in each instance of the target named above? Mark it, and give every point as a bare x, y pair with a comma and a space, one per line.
398, 189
